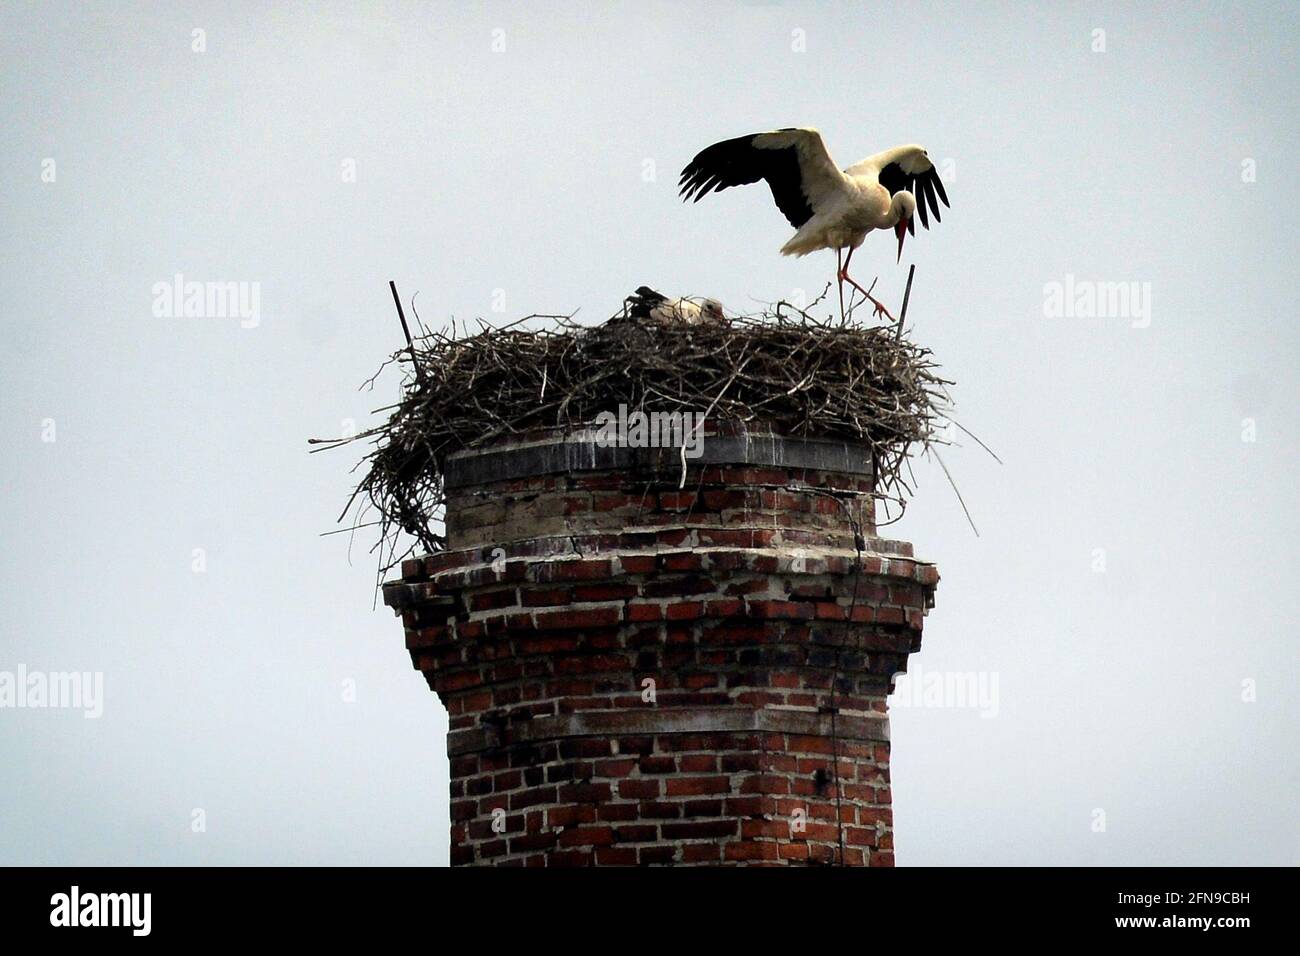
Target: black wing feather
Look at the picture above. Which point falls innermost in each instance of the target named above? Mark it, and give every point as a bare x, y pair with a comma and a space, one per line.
938, 184
640, 303
922, 186
929, 195
894, 179
738, 162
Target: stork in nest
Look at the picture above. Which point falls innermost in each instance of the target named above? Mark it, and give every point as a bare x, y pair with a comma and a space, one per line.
647, 305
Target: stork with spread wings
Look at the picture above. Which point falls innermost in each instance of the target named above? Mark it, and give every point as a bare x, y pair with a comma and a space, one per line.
829, 208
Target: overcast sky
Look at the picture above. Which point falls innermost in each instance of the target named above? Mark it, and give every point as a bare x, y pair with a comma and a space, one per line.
1134, 577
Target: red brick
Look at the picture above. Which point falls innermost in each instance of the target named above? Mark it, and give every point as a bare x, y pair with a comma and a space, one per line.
638, 789
757, 476
749, 538
584, 793
581, 570
679, 586
557, 644
617, 812
580, 857
701, 853
644, 612
604, 592
927, 574
676, 500
688, 561
685, 612
656, 854
644, 833
691, 786
618, 767
658, 764
859, 836
778, 829
889, 615
727, 607
718, 500
903, 569
697, 763
533, 841
491, 600
575, 620
699, 681
587, 836
611, 502
750, 851
827, 610
704, 830
780, 609
616, 856
703, 808
544, 597
570, 815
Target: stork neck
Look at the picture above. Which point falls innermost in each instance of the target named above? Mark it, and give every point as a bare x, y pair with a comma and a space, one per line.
895, 210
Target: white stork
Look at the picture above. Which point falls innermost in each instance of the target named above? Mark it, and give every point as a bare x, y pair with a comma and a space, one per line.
646, 303
829, 208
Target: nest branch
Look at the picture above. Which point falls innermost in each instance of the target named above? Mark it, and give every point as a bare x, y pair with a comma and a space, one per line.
781, 367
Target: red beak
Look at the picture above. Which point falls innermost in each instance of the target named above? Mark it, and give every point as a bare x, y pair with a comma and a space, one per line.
900, 230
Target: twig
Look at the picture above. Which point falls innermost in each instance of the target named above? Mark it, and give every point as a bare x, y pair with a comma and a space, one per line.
410, 345
907, 294
977, 440
955, 489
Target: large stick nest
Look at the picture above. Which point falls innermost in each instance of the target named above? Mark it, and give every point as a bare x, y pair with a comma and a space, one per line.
782, 369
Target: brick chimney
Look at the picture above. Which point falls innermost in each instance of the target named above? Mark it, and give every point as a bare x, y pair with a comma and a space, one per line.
639, 670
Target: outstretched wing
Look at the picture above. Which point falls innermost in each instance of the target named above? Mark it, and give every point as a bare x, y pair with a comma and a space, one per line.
793, 162
910, 168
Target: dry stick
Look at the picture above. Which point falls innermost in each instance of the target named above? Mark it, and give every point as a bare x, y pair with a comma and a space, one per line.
955, 490
699, 426
410, 344
419, 324
907, 294
977, 441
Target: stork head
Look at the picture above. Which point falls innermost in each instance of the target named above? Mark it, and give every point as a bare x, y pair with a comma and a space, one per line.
711, 311
904, 208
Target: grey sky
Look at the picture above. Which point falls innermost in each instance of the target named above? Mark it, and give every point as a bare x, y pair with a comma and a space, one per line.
519, 178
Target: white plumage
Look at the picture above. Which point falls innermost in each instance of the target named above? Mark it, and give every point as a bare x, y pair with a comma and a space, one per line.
829, 208
646, 303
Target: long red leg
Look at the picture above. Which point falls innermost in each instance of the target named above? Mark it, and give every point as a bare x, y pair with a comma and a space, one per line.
839, 278
879, 306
